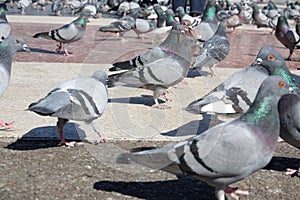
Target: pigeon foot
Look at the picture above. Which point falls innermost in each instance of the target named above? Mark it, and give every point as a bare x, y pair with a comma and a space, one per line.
234, 192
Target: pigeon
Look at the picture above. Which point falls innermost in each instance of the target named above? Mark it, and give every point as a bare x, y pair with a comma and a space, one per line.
237, 92
8, 47
170, 20
288, 107
121, 25
228, 152
286, 36
262, 20
160, 74
161, 15
143, 26
21, 5
193, 21
79, 99
66, 34
57, 6
127, 7
167, 47
213, 50
4, 25
209, 23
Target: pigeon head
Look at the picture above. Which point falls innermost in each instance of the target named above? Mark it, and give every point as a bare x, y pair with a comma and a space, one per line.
275, 64
180, 11
16, 43
264, 107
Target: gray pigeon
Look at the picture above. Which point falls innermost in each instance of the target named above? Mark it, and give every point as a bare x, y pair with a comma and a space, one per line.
161, 15
169, 45
213, 50
4, 25
289, 107
228, 152
66, 34
121, 25
286, 36
8, 47
79, 99
262, 20
209, 23
237, 92
183, 16
160, 74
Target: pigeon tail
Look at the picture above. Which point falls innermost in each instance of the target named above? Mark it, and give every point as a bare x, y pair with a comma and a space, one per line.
154, 158
126, 65
112, 80
42, 35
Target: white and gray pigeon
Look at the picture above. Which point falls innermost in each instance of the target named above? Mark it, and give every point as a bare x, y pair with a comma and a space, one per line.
167, 47
228, 152
66, 34
143, 26
237, 92
160, 74
8, 48
79, 99
213, 50
4, 25
289, 107
209, 23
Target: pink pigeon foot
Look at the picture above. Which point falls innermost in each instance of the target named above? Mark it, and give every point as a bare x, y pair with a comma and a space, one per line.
234, 192
59, 46
293, 172
6, 125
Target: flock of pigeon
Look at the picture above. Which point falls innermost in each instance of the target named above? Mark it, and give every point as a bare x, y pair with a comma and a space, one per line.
263, 98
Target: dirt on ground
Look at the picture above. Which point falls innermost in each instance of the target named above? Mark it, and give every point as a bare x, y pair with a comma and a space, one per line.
41, 170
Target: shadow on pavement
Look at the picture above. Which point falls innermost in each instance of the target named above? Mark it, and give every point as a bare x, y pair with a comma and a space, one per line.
37, 50
183, 188
146, 100
192, 128
282, 163
47, 137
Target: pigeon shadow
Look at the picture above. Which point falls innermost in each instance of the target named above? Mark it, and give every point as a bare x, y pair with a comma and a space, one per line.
47, 137
146, 100
195, 127
192, 73
37, 50
183, 188
282, 163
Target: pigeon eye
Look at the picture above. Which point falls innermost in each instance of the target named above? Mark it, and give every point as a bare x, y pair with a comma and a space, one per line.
17, 41
271, 57
281, 84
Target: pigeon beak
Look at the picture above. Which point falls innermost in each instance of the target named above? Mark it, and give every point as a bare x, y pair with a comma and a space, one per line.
258, 61
26, 48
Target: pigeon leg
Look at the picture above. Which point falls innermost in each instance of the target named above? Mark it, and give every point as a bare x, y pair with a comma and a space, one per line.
96, 127
233, 192
213, 70
160, 106
156, 94
67, 53
293, 172
60, 125
59, 46
6, 125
